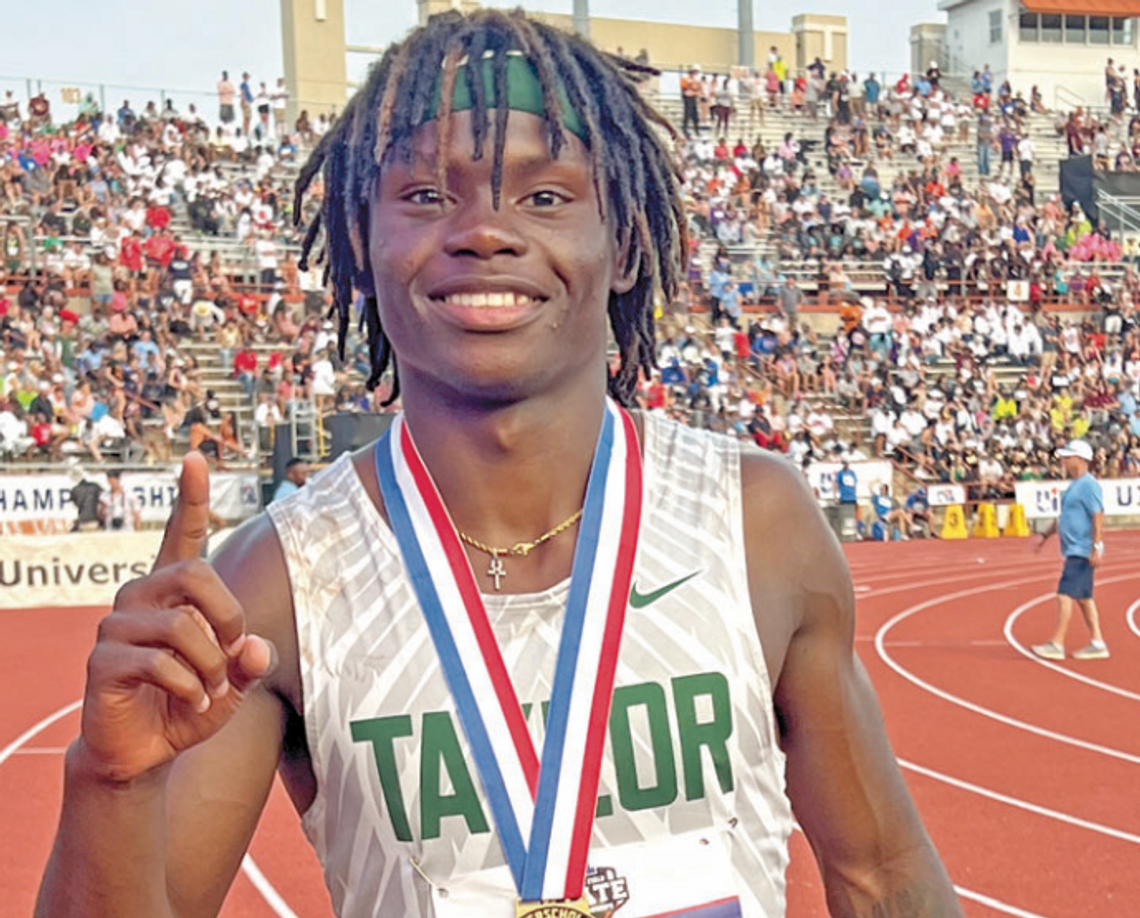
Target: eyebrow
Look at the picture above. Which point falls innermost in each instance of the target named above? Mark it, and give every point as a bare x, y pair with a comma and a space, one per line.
524, 165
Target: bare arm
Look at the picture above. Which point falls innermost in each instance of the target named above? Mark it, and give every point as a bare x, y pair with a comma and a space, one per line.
1098, 539
160, 796
846, 789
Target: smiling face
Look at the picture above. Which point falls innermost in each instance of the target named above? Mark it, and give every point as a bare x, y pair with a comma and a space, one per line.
491, 304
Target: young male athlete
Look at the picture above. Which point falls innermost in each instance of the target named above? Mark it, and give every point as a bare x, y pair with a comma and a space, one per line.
529, 654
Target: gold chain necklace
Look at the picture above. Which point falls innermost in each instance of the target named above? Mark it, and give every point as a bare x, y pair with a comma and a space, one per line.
497, 571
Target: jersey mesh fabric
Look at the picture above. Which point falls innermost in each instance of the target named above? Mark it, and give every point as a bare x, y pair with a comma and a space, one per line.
366, 653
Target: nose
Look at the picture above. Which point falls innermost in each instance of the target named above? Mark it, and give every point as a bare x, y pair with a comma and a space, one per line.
480, 230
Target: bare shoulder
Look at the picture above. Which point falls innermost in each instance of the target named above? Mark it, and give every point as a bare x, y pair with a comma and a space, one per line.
252, 564
797, 573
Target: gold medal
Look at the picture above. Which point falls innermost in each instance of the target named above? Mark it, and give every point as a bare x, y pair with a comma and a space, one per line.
554, 908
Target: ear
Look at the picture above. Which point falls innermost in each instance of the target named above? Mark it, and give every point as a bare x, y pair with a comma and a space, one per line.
623, 280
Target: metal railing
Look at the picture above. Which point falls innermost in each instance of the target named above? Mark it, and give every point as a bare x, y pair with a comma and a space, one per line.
1120, 213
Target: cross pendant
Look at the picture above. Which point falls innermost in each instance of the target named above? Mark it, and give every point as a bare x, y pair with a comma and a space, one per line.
496, 571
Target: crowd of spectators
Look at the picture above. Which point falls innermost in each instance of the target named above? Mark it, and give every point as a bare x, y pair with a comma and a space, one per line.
954, 357
952, 364
177, 234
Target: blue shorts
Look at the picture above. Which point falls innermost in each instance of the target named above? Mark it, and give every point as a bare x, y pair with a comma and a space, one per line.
1076, 578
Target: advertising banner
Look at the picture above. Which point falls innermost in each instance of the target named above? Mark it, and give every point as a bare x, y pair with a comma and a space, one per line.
42, 503
73, 569
869, 477
945, 495
1042, 499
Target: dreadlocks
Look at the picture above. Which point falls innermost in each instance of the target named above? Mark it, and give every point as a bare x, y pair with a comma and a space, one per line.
633, 171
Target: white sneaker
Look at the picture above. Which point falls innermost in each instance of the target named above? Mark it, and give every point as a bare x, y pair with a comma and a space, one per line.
1049, 651
1097, 650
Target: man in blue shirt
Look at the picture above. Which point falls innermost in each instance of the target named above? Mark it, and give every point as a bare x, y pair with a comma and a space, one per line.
846, 483
1081, 525
296, 474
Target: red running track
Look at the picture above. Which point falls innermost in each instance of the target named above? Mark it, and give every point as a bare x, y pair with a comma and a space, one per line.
1024, 772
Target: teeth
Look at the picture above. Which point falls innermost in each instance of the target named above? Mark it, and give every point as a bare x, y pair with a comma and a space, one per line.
488, 300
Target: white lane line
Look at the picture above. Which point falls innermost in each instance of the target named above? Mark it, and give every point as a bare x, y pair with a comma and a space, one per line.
251, 870
881, 649
1048, 664
1022, 804
268, 892
872, 575
33, 731
1131, 618
996, 904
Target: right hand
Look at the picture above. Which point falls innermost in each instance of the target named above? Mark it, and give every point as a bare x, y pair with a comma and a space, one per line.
173, 662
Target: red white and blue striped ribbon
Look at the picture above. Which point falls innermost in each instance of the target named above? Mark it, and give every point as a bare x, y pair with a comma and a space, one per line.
544, 813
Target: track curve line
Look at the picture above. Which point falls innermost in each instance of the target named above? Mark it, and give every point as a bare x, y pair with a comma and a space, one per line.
884, 655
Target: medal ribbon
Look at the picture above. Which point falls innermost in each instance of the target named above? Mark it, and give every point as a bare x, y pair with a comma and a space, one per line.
544, 813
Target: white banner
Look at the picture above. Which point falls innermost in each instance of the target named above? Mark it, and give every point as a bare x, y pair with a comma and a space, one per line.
42, 503
73, 569
945, 495
1042, 499
869, 477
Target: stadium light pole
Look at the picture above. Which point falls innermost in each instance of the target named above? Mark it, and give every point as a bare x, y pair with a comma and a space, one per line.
745, 34
582, 17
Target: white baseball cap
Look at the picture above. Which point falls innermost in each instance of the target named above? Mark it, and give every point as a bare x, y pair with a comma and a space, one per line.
1078, 448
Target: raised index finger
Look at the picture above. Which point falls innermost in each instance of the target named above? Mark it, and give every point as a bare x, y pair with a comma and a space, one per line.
189, 523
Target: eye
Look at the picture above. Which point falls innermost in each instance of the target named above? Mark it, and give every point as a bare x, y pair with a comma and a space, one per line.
426, 197
547, 198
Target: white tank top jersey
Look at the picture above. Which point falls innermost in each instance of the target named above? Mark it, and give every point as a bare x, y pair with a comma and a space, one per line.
692, 815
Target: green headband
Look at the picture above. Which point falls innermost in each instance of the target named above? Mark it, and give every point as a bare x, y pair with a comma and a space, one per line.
524, 93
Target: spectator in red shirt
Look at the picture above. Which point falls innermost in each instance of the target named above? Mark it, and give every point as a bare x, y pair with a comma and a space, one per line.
159, 249
157, 217
245, 368
131, 254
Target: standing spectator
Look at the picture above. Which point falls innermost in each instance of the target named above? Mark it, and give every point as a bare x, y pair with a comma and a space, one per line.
266, 250
280, 99
226, 93
85, 494
985, 138
118, 508
263, 102
246, 90
723, 105
1007, 142
790, 297
1025, 153
690, 96
1081, 525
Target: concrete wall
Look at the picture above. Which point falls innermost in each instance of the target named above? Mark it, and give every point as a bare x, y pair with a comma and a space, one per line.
821, 36
673, 47
968, 36
314, 56
1067, 74
927, 43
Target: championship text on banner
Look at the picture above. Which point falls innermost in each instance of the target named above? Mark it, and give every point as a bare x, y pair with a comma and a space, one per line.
42, 503
869, 478
1042, 499
73, 569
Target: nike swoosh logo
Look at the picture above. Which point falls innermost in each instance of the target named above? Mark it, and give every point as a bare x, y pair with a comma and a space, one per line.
639, 600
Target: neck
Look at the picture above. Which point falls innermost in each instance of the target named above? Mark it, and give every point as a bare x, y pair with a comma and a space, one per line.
508, 472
